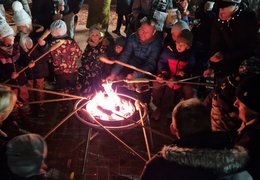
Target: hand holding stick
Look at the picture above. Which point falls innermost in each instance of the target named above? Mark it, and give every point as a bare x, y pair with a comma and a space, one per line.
108, 61
44, 35
52, 48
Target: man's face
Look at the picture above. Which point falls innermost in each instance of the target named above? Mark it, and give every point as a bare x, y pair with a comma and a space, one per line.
226, 12
146, 32
181, 46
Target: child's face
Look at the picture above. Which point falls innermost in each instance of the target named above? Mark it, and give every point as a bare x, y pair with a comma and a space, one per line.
8, 41
95, 37
181, 46
118, 49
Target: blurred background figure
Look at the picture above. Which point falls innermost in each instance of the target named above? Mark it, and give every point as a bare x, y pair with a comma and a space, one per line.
198, 153
98, 13
248, 104
123, 9
26, 156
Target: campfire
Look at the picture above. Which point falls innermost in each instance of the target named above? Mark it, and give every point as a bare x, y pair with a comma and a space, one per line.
113, 110
108, 106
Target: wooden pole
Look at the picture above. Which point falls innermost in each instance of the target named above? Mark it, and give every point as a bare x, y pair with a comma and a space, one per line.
49, 92
44, 35
108, 61
54, 47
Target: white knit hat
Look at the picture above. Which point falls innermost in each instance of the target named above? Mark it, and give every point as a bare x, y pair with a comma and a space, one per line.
26, 42
21, 17
5, 29
26, 154
58, 28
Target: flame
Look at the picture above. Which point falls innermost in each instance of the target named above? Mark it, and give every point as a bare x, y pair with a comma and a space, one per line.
109, 106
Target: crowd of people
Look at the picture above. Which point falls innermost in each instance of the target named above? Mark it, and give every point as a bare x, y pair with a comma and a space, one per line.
167, 42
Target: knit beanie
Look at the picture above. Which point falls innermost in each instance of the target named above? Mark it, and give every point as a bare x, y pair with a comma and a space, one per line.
248, 92
185, 37
120, 41
25, 154
180, 25
5, 29
21, 17
58, 28
226, 3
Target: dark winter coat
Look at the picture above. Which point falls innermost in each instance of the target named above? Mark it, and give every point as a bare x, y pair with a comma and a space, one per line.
42, 12
206, 156
142, 8
11, 62
73, 6
41, 69
224, 116
235, 38
173, 62
143, 56
124, 6
249, 138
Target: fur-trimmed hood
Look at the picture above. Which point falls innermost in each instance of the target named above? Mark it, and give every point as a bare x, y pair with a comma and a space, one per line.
219, 161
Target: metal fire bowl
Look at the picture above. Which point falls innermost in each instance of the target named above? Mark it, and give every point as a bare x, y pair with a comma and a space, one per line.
128, 123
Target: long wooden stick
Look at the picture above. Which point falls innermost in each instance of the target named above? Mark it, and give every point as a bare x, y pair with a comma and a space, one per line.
108, 61
54, 47
53, 100
44, 35
49, 92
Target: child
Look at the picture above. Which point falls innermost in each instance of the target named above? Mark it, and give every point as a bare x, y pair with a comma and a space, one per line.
91, 71
64, 58
114, 51
118, 47
174, 65
27, 35
10, 63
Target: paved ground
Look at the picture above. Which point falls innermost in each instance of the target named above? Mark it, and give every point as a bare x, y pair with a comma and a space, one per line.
107, 158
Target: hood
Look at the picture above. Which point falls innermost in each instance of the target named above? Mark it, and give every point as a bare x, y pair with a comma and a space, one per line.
219, 161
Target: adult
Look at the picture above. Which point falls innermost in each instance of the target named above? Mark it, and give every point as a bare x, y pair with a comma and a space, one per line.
247, 103
44, 12
73, 7
142, 51
98, 13
123, 9
198, 153
140, 9
233, 38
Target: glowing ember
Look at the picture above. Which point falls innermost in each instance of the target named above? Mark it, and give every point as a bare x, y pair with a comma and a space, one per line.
109, 106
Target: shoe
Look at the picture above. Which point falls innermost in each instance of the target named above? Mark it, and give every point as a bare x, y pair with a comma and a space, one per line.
117, 32
49, 86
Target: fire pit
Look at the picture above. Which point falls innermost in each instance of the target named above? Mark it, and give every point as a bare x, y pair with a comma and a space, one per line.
113, 110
